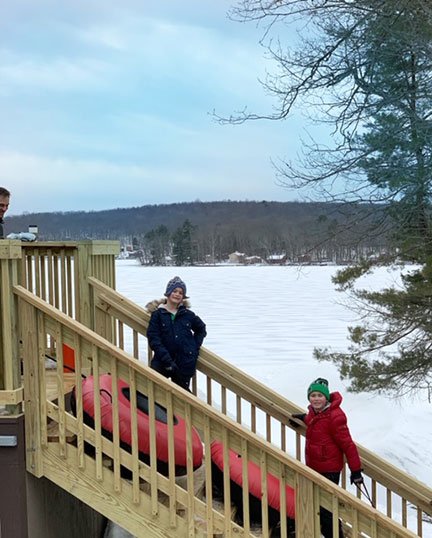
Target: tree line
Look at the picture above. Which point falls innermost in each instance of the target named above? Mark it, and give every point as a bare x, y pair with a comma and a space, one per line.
207, 232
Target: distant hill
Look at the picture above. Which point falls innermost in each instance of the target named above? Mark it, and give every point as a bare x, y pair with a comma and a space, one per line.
117, 223
254, 227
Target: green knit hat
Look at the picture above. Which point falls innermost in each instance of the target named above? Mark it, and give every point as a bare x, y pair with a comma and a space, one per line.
319, 385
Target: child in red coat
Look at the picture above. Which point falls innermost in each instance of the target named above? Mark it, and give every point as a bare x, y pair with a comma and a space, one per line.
328, 440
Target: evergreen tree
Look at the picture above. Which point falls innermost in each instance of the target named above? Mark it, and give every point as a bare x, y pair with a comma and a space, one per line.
182, 244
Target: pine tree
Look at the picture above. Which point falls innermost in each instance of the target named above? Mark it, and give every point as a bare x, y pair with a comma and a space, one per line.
182, 244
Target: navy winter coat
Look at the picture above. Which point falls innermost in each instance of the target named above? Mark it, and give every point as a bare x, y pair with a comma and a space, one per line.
177, 340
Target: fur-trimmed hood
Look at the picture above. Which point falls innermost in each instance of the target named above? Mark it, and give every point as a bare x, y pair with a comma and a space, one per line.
159, 303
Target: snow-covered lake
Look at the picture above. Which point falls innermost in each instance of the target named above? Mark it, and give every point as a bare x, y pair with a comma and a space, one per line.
267, 321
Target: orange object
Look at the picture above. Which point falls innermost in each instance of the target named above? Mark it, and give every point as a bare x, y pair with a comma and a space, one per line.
68, 359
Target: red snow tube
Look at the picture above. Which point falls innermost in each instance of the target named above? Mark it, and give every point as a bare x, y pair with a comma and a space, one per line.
179, 429
254, 472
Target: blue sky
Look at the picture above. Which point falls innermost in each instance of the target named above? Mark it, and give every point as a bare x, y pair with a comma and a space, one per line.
109, 104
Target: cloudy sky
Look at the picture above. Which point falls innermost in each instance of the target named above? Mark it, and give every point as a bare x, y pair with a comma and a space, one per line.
109, 104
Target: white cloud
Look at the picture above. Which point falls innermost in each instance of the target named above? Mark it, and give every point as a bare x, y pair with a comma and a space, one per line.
117, 101
82, 74
165, 49
40, 183
46, 172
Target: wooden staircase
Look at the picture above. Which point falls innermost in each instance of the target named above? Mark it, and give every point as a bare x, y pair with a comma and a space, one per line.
57, 295
199, 475
152, 504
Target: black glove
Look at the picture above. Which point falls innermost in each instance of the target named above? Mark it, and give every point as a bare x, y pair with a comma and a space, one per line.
298, 416
357, 478
172, 369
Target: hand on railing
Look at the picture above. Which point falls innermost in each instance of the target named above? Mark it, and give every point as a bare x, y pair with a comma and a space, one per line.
298, 417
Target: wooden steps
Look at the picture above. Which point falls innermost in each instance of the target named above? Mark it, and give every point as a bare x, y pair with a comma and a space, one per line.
199, 477
53, 434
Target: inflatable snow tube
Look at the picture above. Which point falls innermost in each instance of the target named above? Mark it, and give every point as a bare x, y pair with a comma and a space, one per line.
179, 429
255, 493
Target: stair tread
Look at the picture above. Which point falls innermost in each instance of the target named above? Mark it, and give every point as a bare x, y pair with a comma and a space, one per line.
53, 433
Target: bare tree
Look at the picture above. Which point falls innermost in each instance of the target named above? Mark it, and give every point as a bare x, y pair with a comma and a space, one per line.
364, 67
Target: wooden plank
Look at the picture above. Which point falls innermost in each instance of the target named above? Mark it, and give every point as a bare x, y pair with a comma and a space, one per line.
245, 480
6, 326
12, 397
189, 471
97, 412
99, 248
60, 389
70, 287
305, 520
264, 492
10, 250
171, 457
116, 426
79, 402
42, 375
34, 463
64, 289
134, 435
82, 270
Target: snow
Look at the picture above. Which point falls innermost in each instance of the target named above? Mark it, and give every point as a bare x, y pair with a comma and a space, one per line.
267, 321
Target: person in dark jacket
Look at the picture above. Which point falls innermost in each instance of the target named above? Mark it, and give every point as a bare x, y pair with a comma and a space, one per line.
175, 334
328, 440
4, 206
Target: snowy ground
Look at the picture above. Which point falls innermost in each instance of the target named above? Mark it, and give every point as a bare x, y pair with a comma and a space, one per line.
267, 320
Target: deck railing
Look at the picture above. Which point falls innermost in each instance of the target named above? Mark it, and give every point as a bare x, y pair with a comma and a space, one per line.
57, 272
150, 503
261, 410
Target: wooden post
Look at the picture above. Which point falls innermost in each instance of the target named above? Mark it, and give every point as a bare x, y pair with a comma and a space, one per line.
10, 369
31, 347
305, 511
94, 258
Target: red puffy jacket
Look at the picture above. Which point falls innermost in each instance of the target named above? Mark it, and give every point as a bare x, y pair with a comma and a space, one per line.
328, 439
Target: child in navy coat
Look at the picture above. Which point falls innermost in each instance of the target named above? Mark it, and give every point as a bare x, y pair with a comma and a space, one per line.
175, 334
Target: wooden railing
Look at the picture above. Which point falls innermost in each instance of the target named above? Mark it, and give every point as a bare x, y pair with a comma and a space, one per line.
261, 410
150, 503
56, 272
